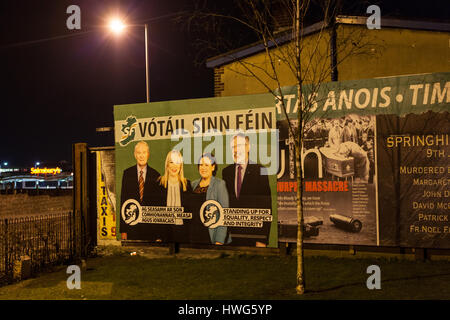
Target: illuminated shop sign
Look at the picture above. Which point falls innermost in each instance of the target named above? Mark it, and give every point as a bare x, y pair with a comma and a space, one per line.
46, 170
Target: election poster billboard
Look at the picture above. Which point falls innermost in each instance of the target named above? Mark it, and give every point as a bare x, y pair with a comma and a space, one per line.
222, 170
198, 171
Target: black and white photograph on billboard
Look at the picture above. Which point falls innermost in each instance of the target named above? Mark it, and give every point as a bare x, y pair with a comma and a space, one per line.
339, 191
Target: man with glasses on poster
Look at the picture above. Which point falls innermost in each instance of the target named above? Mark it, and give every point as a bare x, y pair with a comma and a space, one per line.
248, 187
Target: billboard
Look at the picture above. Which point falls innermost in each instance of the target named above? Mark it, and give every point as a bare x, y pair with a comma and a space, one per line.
198, 171
222, 170
375, 161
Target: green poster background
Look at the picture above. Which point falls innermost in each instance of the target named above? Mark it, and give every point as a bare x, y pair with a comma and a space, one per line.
160, 147
392, 95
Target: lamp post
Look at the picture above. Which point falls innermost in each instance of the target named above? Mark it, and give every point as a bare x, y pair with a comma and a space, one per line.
147, 84
117, 26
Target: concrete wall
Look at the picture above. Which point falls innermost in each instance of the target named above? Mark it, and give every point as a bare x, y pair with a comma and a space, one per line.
24, 204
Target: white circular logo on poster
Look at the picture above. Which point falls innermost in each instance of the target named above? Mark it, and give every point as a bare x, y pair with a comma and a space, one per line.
211, 214
131, 212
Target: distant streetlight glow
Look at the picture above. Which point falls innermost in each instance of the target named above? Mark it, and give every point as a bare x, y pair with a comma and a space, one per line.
116, 25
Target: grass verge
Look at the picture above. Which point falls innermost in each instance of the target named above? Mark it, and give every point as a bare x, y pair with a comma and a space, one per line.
120, 276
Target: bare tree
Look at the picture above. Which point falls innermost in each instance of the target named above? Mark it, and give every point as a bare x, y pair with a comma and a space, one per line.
306, 53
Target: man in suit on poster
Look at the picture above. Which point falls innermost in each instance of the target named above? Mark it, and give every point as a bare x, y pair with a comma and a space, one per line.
139, 182
349, 132
248, 187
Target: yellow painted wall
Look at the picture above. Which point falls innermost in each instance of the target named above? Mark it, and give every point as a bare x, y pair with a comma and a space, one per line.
238, 79
402, 52
384, 52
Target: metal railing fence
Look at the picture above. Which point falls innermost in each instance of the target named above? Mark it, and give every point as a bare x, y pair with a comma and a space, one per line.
44, 240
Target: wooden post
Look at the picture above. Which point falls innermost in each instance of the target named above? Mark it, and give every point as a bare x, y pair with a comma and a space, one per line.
80, 199
421, 254
285, 249
174, 248
351, 250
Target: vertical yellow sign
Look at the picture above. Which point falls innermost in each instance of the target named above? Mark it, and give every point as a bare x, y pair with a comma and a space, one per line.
106, 218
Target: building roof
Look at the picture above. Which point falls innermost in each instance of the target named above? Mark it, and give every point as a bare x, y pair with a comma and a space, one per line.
286, 36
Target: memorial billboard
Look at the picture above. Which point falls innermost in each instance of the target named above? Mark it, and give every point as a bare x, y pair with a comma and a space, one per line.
375, 159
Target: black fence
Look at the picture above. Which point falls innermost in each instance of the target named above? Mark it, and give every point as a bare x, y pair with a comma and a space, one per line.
43, 240
37, 192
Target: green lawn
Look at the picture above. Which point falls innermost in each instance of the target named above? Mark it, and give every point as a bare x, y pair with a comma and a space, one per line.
121, 276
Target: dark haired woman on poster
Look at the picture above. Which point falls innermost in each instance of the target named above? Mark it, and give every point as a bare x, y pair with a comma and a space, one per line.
175, 191
208, 187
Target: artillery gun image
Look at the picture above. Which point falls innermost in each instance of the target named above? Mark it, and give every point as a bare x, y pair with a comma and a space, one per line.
346, 223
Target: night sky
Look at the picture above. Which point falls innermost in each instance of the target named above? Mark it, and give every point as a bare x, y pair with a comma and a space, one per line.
57, 92
59, 85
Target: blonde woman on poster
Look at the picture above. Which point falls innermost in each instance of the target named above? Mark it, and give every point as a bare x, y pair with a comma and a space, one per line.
174, 184
175, 190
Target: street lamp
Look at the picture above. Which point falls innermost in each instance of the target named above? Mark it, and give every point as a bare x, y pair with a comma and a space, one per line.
117, 26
